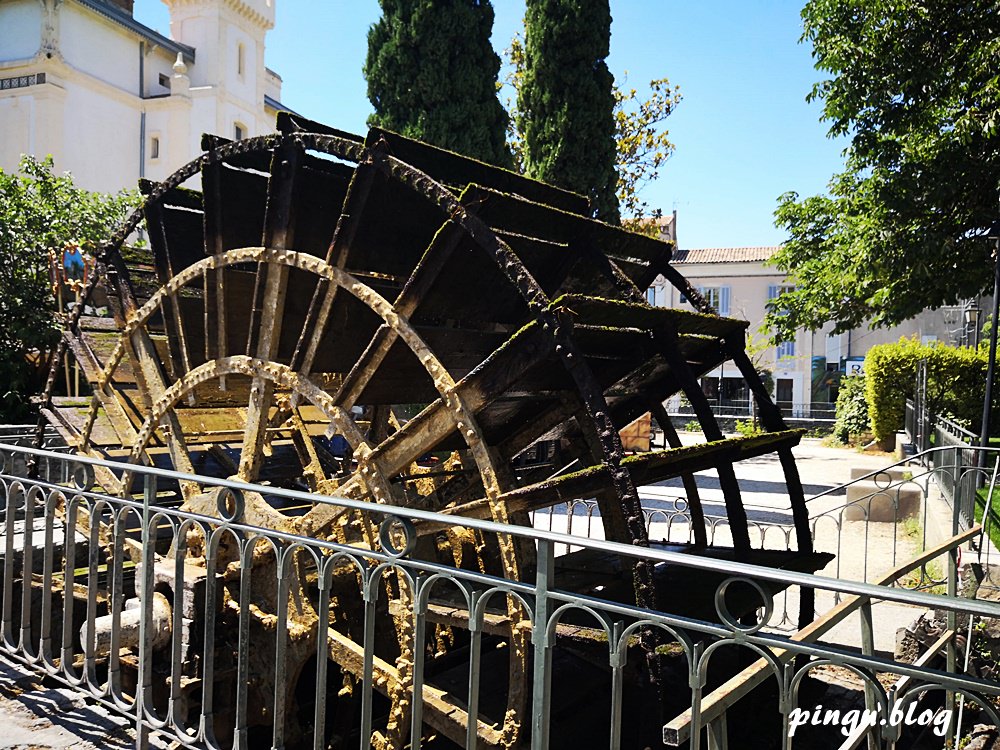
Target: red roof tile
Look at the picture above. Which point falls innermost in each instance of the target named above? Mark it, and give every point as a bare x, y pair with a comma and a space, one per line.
724, 255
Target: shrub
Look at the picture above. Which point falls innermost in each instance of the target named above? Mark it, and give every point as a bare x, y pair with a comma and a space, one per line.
852, 409
955, 381
747, 428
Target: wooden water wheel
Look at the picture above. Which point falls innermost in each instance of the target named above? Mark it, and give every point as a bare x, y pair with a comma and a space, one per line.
382, 320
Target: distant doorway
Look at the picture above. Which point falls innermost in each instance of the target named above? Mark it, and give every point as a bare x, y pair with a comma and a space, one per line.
783, 394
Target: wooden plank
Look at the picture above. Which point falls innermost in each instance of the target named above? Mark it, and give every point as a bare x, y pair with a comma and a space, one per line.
609, 312
144, 352
635, 436
325, 294
123, 427
436, 422
856, 737
644, 469
456, 170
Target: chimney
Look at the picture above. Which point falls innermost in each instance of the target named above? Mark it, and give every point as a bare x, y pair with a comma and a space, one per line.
125, 5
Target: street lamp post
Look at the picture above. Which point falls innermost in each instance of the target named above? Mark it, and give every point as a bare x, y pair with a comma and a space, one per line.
984, 437
970, 336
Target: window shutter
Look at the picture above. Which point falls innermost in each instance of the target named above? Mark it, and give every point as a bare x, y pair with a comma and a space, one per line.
724, 301
786, 349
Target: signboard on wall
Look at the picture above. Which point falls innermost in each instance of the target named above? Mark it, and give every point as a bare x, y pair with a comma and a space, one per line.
854, 366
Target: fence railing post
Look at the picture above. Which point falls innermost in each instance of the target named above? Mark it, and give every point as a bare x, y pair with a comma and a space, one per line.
145, 687
542, 674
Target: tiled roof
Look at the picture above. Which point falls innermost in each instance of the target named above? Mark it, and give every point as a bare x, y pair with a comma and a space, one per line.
724, 255
270, 101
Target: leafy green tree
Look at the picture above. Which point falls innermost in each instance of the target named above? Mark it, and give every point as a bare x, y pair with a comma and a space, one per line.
40, 211
641, 139
914, 86
432, 75
642, 144
566, 101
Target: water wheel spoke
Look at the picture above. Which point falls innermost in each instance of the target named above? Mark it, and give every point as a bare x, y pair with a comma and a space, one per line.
279, 234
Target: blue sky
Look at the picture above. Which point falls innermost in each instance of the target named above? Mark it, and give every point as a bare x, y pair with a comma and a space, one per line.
744, 132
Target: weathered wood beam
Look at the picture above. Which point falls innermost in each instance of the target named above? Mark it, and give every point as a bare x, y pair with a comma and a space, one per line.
106, 397
144, 354
211, 181
279, 228
180, 361
440, 712
646, 468
687, 477
436, 422
736, 513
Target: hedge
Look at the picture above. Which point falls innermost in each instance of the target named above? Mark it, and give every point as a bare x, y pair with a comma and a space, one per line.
955, 382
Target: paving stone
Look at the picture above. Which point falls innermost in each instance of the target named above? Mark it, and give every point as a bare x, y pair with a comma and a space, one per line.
36, 716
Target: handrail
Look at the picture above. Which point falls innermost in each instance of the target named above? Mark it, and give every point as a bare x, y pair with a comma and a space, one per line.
67, 480
857, 736
730, 692
727, 567
954, 428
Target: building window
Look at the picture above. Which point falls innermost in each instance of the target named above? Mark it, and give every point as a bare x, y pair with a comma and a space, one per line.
833, 348
164, 81
651, 296
154, 147
241, 61
774, 290
717, 297
239, 132
785, 349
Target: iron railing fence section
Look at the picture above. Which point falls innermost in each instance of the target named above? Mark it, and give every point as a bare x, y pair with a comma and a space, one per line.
957, 430
744, 409
958, 477
41, 574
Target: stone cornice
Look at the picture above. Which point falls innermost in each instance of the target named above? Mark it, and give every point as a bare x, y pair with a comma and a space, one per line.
240, 7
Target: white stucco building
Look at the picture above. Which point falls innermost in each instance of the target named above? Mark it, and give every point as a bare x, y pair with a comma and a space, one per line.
113, 100
738, 283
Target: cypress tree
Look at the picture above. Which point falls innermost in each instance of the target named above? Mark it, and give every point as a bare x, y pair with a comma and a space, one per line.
432, 75
565, 100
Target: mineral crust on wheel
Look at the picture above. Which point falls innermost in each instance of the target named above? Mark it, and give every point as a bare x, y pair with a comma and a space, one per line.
382, 320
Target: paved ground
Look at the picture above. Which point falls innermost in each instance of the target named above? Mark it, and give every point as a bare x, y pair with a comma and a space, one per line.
33, 715
864, 551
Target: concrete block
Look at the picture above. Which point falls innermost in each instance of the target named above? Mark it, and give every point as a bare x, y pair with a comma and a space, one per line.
885, 477
878, 504
191, 597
